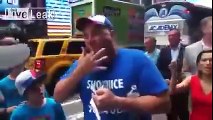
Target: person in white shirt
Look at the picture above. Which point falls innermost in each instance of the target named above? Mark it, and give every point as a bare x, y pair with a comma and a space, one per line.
151, 50
192, 51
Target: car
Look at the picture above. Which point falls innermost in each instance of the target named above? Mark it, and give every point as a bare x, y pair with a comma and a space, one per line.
53, 56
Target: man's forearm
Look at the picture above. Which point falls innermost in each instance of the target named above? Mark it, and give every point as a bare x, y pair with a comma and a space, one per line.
173, 83
150, 104
68, 86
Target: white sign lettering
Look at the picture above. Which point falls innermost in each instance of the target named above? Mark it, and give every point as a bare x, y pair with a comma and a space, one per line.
162, 28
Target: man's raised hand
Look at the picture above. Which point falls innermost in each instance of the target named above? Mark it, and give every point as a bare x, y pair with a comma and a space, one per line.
92, 61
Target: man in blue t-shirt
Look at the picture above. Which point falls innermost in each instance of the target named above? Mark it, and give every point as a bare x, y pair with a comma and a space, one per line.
114, 84
29, 85
10, 98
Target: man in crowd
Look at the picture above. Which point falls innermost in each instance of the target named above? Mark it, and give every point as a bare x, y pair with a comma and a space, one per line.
30, 85
174, 53
192, 51
151, 50
105, 75
12, 57
9, 91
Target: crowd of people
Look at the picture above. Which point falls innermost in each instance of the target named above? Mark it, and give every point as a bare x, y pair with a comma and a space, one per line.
117, 83
182, 62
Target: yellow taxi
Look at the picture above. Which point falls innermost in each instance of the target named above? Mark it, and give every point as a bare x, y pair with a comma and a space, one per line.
54, 56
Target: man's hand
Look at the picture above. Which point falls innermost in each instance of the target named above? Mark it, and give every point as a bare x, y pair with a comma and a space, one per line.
10, 109
105, 99
91, 61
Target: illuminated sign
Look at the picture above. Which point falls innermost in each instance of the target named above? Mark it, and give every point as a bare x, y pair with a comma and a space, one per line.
162, 28
8, 4
61, 24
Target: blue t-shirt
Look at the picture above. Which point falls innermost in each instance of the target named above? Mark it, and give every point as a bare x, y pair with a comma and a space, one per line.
10, 93
49, 111
130, 72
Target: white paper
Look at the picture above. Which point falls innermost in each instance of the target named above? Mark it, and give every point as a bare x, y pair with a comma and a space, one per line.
95, 109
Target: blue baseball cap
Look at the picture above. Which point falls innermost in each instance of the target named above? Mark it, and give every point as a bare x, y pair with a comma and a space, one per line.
82, 23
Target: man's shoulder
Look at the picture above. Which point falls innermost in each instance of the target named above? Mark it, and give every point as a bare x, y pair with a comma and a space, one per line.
20, 112
20, 109
50, 101
165, 48
131, 52
4, 80
194, 45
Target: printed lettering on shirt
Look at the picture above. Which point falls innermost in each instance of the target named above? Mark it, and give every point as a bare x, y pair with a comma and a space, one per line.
110, 84
113, 112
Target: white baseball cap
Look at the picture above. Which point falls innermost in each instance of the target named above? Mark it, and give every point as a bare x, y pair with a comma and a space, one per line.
81, 23
28, 78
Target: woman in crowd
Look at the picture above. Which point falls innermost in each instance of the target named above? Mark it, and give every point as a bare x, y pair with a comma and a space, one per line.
199, 86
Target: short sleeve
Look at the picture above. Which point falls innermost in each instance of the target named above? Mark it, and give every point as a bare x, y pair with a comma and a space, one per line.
69, 71
150, 81
16, 116
59, 112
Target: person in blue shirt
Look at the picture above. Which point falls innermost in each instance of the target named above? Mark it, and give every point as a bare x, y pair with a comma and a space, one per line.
10, 96
114, 83
12, 54
8, 89
30, 85
151, 50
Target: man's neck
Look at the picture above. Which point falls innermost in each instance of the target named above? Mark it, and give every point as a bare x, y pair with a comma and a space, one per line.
111, 55
207, 41
36, 104
174, 47
13, 76
151, 51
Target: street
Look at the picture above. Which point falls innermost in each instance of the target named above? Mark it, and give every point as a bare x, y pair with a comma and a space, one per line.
73, 109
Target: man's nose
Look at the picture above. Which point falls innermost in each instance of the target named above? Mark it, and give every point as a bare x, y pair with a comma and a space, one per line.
208, 61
